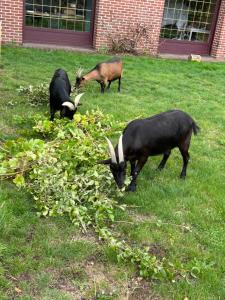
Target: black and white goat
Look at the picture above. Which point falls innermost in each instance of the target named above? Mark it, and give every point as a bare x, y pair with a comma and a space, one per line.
156, 135
60, 90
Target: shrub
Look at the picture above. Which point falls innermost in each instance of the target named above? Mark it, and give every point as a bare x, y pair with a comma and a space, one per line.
35, 95
130, 43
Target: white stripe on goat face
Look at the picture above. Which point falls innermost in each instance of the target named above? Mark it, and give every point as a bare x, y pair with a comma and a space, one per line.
69, 105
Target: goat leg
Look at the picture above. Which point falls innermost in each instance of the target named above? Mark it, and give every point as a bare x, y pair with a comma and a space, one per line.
184, 147
108, 87
132, 167
186, 158
119, 85
135, 171
52, 114
102, 87
164, 160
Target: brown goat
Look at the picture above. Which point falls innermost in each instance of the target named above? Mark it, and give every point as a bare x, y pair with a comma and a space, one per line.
103, 73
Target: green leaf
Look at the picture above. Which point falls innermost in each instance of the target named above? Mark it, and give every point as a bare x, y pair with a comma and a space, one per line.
19, 180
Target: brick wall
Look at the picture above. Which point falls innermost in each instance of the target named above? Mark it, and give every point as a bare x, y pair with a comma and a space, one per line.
112, 18
218, 45
119, 16
11, 14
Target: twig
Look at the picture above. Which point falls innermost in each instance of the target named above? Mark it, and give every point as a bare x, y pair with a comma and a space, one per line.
134, 206
4, 149
95, 287
126, 222
82, 224
8, 175
171, 224
159, 223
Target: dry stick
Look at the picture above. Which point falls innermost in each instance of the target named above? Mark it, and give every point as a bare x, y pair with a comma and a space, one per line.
82, 224
95, 287
154, 222
134, 206
9, 175
3, 149
124, 222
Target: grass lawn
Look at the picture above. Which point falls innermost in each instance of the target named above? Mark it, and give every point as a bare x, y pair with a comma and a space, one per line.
183, 221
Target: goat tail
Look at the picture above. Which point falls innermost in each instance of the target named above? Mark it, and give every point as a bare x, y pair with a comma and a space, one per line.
195, 128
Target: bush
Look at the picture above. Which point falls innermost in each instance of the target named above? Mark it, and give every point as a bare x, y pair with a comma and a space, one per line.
130, 43
35, 95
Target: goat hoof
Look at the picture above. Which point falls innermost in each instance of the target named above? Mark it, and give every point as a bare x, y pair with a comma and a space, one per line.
160, 168
131, 188
182, 176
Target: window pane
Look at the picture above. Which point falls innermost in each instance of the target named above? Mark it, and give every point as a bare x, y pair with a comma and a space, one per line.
187, 19
29, 21
62, 24
37, 22
79, 26
55, 2
38, 8
54, 23
70, 25
46, 10
59, 14
37, 2
46, 22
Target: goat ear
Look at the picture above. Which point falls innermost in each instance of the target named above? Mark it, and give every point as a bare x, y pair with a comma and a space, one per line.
105, 161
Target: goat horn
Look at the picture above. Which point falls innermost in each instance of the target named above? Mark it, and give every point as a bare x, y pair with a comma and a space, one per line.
120, 149
112, 151
79, 72
69, 105
77, 99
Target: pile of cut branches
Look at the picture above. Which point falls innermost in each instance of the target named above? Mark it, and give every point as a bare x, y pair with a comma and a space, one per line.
60, 170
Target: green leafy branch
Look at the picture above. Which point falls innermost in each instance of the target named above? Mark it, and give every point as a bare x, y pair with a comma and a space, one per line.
60, 170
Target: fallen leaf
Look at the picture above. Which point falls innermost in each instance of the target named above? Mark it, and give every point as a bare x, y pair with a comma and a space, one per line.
19, 291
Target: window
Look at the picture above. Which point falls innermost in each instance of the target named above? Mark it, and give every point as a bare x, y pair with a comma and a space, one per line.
187, 19
59, 14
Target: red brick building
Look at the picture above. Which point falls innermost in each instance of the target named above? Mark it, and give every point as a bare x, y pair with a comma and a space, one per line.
175, 26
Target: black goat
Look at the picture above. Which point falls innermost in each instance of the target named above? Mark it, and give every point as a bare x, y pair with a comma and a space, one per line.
156, 135
60, 89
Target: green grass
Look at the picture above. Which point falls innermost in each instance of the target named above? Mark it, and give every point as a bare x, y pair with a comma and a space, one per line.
182, 220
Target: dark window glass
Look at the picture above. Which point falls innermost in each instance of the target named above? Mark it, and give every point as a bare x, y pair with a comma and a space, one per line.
59, 14
187, 19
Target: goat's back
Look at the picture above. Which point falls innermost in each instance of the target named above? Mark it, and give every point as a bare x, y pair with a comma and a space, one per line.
158, 133
111, 69
60, 87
